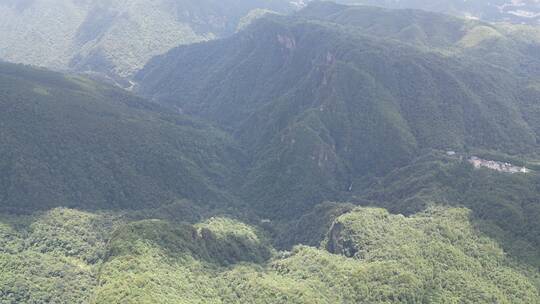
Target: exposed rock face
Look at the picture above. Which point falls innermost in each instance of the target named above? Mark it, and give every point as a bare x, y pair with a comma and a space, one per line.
336, 244
287, 42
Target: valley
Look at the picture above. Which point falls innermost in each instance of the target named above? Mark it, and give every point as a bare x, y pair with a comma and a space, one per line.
268, 152
513, 11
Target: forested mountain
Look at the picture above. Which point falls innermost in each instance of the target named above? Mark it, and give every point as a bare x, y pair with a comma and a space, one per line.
114, 38
341, 154
368, 255
513, 11
69, 141
325, 98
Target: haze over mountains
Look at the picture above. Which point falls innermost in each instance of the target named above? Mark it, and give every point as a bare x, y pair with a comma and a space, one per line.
351, 92
316, 156
113, 38
513, 11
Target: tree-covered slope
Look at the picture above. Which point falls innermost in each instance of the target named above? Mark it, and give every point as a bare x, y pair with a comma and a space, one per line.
53, 256
432, 257
114, 38
325, 98
368, 256
504, 206
513, 47
68, 141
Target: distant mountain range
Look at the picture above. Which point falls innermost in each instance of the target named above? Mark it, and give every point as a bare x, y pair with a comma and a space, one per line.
513, 11
114, 38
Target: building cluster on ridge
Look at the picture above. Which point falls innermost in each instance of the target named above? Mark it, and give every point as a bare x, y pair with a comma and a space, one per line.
496, 165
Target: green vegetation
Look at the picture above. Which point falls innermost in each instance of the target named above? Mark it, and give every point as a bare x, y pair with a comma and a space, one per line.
311, 228
433, 251
114, 38
335, 95
52, 257
303, 129
252, 16
87, 145
435, 256
504, 206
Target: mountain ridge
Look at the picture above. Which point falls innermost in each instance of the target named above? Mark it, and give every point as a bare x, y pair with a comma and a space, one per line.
516, 11
342, 154
113, 39
329, 104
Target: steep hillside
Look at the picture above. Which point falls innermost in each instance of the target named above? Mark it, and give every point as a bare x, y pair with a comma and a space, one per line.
514, 47
324, 99
114, 38
505, 206
68, 141
68, 256
54, 256
384, 259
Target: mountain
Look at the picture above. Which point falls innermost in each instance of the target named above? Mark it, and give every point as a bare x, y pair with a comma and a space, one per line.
69, 141
334, 95
365, 254
368, 255
113, 38
342, 154
514, 11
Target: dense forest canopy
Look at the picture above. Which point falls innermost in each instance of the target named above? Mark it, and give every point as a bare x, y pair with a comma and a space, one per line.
336, 154
114, 38
326, 98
